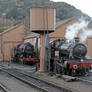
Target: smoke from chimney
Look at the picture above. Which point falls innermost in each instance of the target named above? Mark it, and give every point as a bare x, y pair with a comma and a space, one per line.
73, 30
85, 34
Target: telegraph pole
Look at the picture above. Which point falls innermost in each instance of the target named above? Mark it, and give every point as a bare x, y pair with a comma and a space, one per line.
4, 23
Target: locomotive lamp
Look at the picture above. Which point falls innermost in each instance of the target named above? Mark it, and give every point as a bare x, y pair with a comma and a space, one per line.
42, 21
67, 41
75, 67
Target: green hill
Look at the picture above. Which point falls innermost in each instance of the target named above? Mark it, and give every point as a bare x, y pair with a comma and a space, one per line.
18, 10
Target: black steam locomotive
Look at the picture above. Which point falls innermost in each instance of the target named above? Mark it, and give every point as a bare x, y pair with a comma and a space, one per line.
24, 53
68, 57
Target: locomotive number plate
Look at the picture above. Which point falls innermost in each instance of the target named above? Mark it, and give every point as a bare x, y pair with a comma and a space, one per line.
56, 53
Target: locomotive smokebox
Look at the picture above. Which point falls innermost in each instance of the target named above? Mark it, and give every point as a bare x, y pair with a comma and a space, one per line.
79, 51
42, 19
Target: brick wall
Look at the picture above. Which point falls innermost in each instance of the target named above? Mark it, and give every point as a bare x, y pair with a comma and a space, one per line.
9, 39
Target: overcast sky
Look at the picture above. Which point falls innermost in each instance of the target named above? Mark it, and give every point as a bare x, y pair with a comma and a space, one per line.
84, 5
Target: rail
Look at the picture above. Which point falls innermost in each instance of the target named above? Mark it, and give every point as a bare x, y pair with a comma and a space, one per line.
42, 85
4, 88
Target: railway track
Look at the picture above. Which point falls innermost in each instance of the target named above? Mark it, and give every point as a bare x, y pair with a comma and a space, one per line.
22, 78
3, 88
35, 82
86, 79
57, 87
42, 85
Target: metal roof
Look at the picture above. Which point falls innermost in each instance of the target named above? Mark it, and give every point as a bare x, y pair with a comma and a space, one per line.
13, 27
60, 23
31, 35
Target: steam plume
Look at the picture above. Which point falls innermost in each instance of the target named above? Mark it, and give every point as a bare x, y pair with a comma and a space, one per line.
73, 30
85, 34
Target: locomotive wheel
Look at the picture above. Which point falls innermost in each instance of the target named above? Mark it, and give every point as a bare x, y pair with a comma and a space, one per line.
20, 61
63, 71
24, 62
83, 72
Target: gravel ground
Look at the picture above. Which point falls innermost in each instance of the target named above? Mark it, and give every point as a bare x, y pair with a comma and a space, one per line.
77, 85
14, 85
23, 67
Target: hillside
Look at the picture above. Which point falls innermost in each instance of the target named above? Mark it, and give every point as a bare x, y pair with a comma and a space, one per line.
18, 10
5, 24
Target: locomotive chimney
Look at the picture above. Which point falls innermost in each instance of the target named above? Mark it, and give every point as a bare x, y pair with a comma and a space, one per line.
77, 39
42, 21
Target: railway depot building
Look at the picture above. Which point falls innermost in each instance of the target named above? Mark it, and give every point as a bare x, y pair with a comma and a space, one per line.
11, 38
60, 30
19, 34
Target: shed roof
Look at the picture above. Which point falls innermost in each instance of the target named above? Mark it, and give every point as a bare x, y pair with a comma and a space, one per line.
13, 27
60, 23
31, 35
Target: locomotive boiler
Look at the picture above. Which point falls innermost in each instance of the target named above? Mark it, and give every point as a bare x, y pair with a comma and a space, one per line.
72, 49
24, 53
69, 57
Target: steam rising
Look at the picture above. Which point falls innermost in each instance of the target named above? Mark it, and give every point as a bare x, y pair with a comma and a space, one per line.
85, 34
73, 30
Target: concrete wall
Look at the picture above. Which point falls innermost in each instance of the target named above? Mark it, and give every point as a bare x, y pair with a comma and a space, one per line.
9, 39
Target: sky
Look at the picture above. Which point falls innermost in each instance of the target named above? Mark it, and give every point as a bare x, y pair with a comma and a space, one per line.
84, 5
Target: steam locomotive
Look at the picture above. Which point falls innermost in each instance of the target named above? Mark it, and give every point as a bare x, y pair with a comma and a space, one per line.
24, 53
68, 57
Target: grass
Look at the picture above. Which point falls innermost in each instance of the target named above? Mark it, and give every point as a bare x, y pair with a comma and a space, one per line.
39, 74
2, 29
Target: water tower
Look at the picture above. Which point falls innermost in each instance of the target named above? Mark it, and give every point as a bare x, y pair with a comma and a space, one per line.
42, 21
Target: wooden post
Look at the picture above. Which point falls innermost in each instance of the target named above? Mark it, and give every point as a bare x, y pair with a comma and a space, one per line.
42, 55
